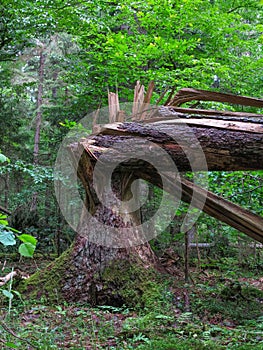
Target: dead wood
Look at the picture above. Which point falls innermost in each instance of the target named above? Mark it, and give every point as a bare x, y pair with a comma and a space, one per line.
188, 94
228, 146
232, 214
7, 278
4, 210
231, 146
17, 273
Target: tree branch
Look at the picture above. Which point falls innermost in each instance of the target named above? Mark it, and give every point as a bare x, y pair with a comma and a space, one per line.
4, 210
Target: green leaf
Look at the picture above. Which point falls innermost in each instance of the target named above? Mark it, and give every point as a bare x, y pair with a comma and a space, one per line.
7, 238
4, 159
27, 249
27, 239
11, 345
8, 294
3, 222
15, 292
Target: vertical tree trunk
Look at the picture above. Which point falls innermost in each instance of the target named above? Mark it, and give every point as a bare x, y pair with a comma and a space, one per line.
39, 105
41, 72
113, 273
186, 256
6, 190
54, 88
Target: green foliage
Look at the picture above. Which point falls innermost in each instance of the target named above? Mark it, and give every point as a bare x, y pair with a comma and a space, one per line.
28, 246
236, 302
4, 159
8, 237
232, 324
90, 47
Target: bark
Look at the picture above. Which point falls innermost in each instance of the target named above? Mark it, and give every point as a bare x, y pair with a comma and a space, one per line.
186, 256
188, 94
215, 206
6, 190
5, 210
42, 59
227, 146
39, 104
105, 274
95, 273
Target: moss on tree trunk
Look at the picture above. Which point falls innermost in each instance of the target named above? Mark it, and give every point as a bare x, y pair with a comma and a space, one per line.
113, 274
95, 275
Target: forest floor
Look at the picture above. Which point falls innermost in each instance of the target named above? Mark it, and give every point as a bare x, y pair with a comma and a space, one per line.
220, 308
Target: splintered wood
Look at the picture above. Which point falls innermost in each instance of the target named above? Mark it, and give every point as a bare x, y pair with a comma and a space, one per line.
229, 140
187, 95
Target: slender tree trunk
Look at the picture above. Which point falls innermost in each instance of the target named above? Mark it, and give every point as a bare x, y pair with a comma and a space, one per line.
42, 58
186, 256
6, 190
39, 105
54, 88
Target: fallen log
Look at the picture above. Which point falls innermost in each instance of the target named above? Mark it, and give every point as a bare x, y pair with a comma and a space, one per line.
221, 209
7, 278
227, 145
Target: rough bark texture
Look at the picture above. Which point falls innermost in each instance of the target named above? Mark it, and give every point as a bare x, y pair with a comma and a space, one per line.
213, 205
42, 59
101, 274
238, 146
226, 145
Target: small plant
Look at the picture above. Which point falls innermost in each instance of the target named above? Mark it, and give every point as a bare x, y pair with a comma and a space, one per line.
8, 236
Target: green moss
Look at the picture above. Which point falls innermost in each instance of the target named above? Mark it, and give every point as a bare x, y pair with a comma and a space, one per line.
133, 284
46, 283
123, 282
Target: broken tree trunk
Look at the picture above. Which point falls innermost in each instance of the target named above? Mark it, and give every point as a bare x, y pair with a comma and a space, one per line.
227, 146
95, 269
103, 274
188, 94
215, 206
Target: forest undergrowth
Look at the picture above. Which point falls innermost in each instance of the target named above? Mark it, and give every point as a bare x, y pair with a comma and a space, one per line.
220, 308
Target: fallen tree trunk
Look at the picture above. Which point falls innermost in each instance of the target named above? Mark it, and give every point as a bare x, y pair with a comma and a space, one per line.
223, 210
4, 210
227, 146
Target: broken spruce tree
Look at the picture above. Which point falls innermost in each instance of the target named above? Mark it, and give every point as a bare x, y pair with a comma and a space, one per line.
114, 267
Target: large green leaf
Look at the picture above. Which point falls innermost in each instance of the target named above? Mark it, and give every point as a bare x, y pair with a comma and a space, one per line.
11, 345
27, 239
27, 249
7, 238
